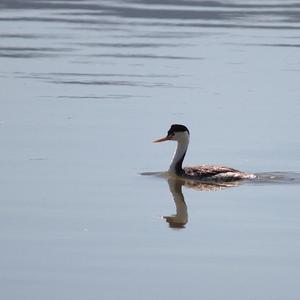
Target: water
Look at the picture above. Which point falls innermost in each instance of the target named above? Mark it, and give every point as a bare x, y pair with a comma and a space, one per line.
85, 87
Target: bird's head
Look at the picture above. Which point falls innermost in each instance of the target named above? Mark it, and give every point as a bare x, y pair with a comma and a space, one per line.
177, 133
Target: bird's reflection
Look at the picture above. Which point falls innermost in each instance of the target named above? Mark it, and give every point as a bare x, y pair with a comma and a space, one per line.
180, 218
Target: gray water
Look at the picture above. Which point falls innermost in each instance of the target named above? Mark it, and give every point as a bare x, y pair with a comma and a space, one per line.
85, 87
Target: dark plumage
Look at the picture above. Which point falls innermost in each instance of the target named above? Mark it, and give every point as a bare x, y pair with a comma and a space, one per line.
214, 173
177, 128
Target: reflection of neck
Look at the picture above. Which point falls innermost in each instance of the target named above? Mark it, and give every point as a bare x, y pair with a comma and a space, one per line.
181, 217
176, 164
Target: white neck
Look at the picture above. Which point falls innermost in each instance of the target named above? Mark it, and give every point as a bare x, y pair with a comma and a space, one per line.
182, 145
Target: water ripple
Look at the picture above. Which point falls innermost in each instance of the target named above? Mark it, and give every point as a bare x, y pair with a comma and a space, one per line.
221, 11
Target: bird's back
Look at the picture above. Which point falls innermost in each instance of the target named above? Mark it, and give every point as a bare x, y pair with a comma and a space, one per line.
215, 173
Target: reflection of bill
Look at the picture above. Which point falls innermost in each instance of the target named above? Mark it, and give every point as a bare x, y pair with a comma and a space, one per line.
179, 219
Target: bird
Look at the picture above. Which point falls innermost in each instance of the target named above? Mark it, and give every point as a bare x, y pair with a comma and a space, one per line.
207, 173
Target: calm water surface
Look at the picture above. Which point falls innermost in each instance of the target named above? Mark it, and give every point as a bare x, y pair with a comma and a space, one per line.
85, 87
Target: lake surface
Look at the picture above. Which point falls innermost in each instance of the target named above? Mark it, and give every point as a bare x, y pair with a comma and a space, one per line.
85, 87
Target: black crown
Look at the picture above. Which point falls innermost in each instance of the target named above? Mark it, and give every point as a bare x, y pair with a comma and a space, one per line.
177, 128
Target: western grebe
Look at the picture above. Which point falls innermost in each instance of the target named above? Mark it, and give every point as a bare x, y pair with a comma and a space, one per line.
181, 134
